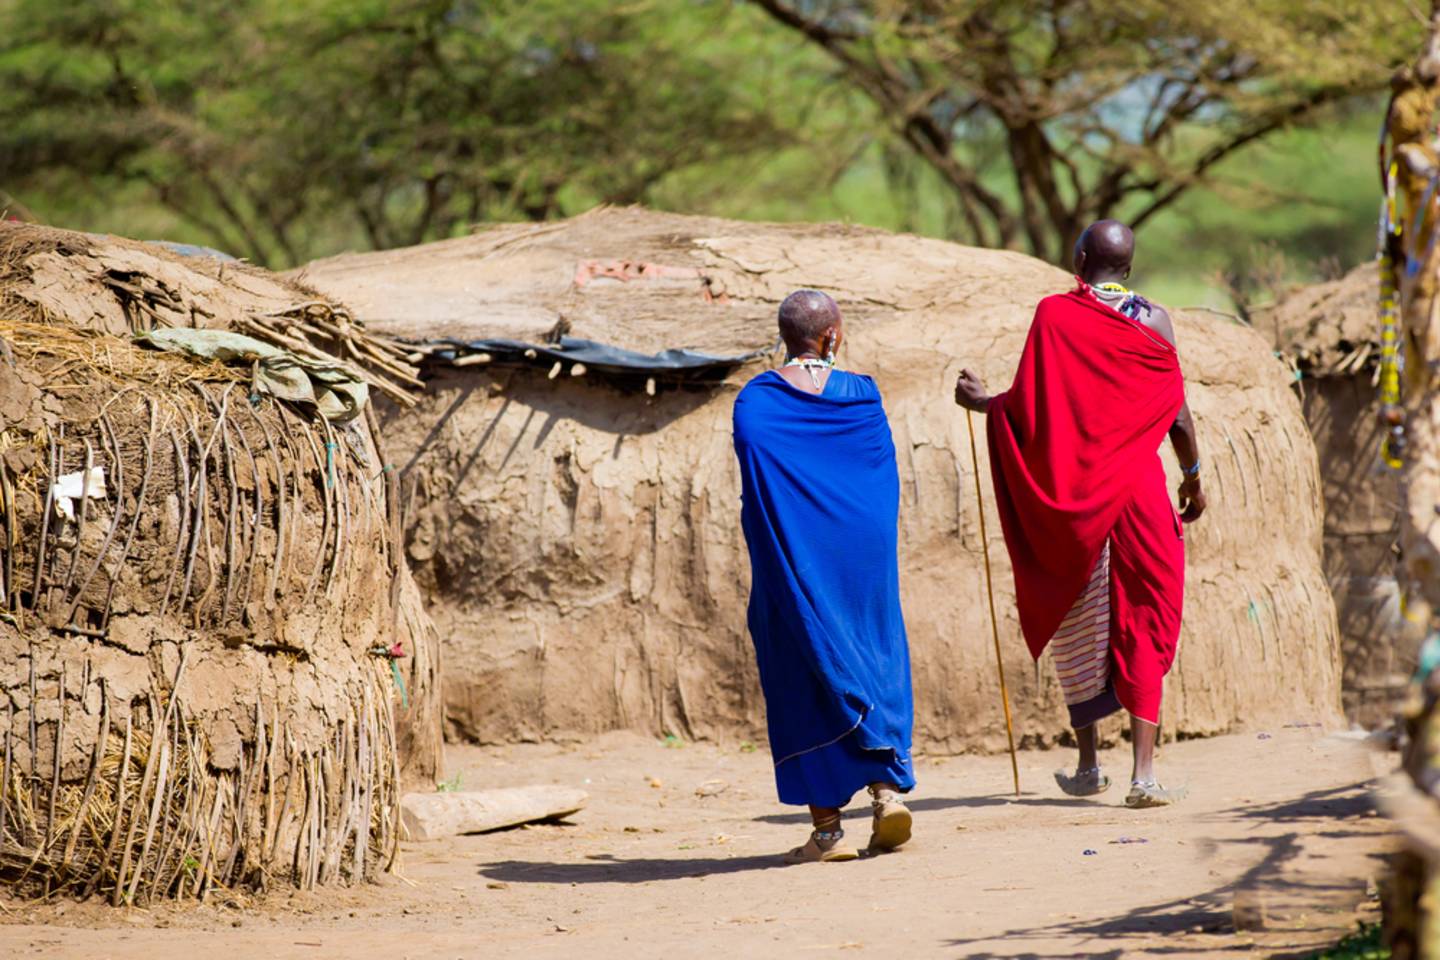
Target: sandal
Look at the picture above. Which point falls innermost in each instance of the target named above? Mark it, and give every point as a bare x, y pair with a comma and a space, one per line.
813, 852
1084, 783
893, 820
1144, 796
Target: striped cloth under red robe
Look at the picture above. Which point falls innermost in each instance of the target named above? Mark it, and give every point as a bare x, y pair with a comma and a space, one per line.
1074, 455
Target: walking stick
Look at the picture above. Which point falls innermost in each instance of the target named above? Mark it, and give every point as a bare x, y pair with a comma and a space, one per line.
990, 592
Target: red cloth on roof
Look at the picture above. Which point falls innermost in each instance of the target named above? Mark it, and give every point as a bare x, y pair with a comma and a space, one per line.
1074, 453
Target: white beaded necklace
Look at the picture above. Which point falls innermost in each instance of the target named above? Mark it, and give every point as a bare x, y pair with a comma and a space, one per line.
810, 365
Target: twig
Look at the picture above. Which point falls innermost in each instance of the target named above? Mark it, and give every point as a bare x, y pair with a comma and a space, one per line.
94, 776
37, 585
80, 521
135, 521
182, 467
109, 429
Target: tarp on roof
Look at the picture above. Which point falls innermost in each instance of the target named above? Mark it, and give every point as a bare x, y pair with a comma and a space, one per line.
675, 364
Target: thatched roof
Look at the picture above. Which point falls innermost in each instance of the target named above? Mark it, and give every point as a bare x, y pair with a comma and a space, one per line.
113, 285
1328, 329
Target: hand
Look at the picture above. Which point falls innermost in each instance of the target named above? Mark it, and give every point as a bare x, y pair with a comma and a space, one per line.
1192, 498
970, 392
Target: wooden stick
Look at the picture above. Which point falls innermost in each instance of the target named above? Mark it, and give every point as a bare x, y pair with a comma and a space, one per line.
5, 768
119, 471
118, 823
146, 779
94, 776
37, 585
201, 522
182, 468
258, 510
281, 500
55, 776
7, 502
990, 593
79, 520
135, 521
34, 748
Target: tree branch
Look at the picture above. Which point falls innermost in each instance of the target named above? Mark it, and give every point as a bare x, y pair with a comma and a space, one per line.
1265, 125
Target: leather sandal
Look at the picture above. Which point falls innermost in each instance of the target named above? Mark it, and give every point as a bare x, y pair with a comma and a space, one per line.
1144, 796
893, 820
1083, 783
813, 852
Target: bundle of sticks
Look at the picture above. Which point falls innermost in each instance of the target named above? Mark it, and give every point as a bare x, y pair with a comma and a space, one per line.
306, 329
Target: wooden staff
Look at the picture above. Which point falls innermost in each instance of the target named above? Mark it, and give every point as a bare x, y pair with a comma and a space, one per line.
990, 592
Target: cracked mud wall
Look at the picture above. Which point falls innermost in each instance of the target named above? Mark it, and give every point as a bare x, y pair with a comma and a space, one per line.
191, 696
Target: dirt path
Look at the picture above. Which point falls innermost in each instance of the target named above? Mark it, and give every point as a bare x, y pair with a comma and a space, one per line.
1281, 820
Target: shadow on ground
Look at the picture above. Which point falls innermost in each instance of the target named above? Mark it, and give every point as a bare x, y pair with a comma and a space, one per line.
1186, 921
932, 804
606, 868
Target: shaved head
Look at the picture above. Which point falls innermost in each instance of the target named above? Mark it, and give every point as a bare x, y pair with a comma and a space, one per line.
806, 316
1104, 251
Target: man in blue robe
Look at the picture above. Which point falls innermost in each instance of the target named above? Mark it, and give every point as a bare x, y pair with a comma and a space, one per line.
820, 510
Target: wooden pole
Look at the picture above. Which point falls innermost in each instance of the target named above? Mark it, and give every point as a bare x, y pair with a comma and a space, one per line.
990, 594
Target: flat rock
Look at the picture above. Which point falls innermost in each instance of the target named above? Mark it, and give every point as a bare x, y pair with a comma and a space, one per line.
430, 816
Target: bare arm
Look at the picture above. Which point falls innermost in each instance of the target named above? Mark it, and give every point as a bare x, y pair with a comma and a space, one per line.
1182, 431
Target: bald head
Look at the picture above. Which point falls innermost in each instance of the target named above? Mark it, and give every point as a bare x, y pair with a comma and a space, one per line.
1104, 251
808, 319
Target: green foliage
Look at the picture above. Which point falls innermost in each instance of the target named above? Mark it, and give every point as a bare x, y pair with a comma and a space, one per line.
1365, 944
282, 130
268, 123
449, 786
1039, 116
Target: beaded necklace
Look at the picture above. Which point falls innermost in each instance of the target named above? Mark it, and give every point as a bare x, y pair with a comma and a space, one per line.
810, 365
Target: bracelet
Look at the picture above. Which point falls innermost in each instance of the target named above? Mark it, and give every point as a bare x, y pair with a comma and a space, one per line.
1193, 470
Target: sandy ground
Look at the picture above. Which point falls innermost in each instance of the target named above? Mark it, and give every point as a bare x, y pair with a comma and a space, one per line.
1279, 826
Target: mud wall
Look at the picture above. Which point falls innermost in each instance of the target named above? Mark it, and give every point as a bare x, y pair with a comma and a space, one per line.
1361, 532
581, 551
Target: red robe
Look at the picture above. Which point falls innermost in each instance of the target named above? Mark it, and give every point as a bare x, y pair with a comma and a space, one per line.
1074, 453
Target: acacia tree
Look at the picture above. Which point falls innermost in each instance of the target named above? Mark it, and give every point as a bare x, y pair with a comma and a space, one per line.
1043, 115
272, 126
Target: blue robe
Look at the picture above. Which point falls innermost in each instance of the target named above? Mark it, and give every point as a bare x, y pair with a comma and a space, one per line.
821, 498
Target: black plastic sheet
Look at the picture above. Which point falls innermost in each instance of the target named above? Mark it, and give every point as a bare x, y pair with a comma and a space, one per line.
676, 365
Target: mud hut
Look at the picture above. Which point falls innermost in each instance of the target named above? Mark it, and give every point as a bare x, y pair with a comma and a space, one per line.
203, 601
1330, 334
574, 522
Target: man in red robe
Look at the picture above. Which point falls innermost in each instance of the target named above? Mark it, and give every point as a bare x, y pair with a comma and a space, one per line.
1095, 542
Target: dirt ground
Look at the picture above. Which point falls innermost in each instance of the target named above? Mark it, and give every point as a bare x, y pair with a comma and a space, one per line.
677, 856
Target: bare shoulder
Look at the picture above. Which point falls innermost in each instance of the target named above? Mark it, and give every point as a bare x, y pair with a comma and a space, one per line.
1157, 318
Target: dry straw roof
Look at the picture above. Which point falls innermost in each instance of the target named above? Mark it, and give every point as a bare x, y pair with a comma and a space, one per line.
112, 285
1328, 329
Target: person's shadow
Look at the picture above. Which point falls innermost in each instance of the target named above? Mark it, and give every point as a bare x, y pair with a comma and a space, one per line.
932, 804
607, 868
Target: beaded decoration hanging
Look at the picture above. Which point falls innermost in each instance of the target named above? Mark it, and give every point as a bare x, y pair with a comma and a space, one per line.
1392, 447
